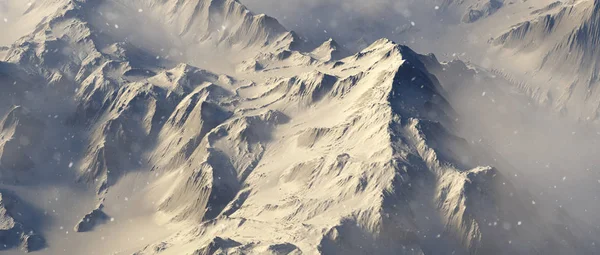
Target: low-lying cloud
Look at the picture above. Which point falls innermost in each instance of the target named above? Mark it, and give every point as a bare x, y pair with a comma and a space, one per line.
352, 22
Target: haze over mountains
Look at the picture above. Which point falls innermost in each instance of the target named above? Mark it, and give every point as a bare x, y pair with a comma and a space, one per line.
201, 127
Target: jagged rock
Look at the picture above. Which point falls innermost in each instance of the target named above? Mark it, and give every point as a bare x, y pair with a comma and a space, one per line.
561, 37
482, 10
32, 242
14, 233
91, 220
20, 134
217, 246
284, 249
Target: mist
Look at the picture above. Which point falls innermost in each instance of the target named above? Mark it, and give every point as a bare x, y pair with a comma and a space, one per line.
553, 154
356, 23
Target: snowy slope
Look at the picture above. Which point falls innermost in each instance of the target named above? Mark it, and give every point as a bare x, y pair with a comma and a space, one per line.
560, 41
548, 46
198, 127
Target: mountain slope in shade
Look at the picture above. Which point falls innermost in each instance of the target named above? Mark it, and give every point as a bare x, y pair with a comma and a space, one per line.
561, 39
15, 231
224, 135
20, 18
473, 10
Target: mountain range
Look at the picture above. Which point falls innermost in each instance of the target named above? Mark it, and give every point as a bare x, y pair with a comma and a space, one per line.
200, 127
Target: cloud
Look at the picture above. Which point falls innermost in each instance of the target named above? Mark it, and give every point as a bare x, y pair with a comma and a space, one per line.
350, 21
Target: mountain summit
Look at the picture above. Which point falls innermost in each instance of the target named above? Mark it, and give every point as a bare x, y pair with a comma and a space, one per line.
198, 127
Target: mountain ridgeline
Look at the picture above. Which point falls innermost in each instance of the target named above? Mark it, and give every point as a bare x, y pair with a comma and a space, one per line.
231, 135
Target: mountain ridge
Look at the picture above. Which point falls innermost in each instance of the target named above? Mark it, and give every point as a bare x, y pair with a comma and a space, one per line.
295, 152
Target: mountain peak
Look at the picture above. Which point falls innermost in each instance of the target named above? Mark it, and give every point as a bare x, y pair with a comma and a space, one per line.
208, 128
330, 50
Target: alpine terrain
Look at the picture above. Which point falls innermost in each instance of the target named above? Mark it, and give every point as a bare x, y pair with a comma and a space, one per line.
196, 127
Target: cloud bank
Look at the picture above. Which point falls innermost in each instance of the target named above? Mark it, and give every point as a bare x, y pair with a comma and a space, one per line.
354, 23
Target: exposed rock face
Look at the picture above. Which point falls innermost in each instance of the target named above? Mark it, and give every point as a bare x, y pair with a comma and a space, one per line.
20, 135
470, 11
561, 38
91, 220
481, 10
218, 245
12, 231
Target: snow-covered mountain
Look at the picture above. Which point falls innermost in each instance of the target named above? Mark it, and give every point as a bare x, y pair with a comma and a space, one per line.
199, 127
547, 46
561, 39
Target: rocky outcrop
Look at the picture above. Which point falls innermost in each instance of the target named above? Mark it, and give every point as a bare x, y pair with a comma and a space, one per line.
13, 229
217, 245
481, 10
91, 220
20, 135
565, 36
